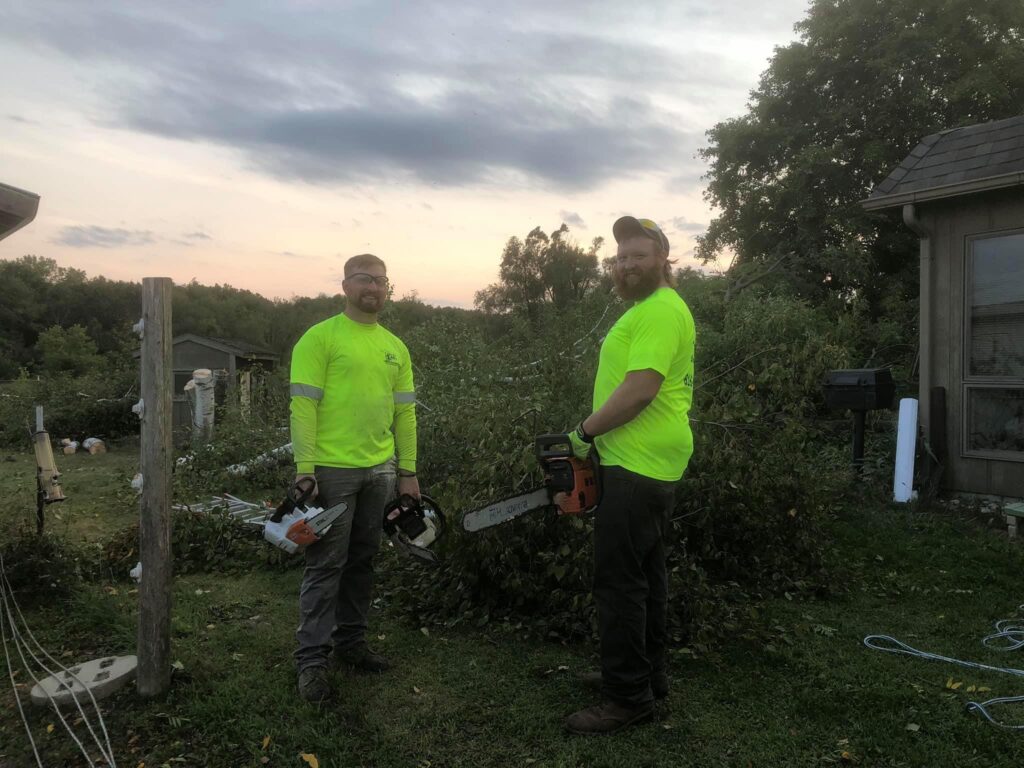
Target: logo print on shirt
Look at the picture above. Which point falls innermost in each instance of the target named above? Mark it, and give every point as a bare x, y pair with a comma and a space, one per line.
390, 358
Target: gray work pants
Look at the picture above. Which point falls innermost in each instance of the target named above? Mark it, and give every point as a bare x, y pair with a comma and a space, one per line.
335, 597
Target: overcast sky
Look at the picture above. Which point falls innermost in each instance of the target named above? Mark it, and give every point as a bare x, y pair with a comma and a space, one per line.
260, 144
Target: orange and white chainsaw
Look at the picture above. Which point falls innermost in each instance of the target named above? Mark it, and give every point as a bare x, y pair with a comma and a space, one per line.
294, 525
570, 487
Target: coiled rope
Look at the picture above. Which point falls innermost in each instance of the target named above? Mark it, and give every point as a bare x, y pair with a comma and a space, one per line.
1008, 636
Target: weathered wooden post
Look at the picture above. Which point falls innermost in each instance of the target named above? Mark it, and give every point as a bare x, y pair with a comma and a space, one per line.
154, 636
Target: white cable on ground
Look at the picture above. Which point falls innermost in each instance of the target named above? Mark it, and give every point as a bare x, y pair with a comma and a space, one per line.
1009, 636
8, 599
19, 646
14, 687
106, 751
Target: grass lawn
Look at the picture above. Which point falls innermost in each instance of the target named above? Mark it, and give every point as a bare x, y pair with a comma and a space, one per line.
813, 696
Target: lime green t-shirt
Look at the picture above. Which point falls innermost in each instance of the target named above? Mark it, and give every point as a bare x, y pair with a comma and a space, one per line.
350, 383
656, 333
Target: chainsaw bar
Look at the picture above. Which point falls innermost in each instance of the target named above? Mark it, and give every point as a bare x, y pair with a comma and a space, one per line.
507, 509
323, 521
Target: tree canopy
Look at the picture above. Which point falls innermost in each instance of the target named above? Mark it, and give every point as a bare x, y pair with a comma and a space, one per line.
542, 269
833, 114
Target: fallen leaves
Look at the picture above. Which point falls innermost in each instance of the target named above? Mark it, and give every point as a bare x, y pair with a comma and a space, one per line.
266, 742
310, 760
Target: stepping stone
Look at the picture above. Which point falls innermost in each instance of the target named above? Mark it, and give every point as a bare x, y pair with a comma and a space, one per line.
1012, 512
100, 676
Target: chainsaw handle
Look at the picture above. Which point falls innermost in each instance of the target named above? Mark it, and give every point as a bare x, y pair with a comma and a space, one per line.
303, 492
297, 496
553, 446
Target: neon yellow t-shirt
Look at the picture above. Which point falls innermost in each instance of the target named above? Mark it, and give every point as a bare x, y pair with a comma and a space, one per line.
350, 383
656, 333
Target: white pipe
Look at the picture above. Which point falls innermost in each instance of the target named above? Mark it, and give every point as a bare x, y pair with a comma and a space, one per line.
906, 443
924, 368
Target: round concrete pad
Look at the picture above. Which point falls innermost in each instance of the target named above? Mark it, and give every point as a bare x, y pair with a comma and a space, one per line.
100, 676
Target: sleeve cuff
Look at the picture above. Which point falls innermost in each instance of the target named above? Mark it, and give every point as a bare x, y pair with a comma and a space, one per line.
409, 465
305, 468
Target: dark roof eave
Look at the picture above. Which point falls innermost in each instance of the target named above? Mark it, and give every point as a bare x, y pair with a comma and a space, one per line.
973, 186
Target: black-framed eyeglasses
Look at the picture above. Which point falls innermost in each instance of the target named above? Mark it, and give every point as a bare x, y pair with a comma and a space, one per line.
362, 278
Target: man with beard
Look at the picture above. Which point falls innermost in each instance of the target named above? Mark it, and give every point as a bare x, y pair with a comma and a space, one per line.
353, 428
640, 428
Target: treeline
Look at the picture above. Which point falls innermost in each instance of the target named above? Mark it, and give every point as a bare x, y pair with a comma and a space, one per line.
56, 319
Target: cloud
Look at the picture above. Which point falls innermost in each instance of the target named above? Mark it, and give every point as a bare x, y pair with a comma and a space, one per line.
93, 236
573, 219
463, 97
682, 224
197, 236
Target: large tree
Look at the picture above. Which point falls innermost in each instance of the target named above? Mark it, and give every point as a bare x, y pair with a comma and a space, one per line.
832, 115
542, 269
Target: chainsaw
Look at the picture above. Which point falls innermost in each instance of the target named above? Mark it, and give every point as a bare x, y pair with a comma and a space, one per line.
414, 525
570, 487
294, 525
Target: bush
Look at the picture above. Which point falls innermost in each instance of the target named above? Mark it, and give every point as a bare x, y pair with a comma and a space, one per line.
94, 405
749, 510
201, 542
239, 436
40, 569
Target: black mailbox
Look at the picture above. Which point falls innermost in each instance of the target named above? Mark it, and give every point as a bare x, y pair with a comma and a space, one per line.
859, 389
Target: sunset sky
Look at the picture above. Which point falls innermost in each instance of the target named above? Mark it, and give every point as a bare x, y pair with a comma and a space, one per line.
261, 144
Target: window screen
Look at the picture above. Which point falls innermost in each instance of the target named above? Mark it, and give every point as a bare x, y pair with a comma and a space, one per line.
996, 306
995, 419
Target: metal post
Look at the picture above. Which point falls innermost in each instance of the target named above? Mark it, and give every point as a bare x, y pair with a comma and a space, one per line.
858, 440
154, 633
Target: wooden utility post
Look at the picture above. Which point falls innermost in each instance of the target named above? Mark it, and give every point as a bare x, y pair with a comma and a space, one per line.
154, 636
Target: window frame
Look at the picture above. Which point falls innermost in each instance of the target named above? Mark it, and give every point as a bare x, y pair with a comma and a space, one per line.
969, 382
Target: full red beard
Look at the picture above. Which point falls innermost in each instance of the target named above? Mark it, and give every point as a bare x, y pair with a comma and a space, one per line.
647, 283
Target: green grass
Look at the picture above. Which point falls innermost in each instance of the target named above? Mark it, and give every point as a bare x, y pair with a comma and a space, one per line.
812, 696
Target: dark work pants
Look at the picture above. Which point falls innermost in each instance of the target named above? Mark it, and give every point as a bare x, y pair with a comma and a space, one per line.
631, 582
338, 580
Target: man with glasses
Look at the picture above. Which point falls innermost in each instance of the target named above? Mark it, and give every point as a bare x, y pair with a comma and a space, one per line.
353, 428
639, 425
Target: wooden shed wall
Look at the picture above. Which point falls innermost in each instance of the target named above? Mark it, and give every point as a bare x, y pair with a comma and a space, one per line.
951, 223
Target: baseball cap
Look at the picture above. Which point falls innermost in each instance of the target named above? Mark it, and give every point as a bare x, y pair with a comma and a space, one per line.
630, 226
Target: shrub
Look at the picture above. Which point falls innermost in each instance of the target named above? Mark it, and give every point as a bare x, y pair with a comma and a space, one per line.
749, 510
93, 405
42, 568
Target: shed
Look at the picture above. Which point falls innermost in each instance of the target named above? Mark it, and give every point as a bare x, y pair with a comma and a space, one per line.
17, 208
230, 360
962, 192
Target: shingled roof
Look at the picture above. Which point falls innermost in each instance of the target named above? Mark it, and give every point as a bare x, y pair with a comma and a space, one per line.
17, 208
960, 161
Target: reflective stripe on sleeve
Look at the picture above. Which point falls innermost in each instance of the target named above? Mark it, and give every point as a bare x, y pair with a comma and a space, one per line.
307, 390
405, 397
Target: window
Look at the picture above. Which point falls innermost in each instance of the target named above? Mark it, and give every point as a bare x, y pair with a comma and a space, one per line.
181, 378
994, 350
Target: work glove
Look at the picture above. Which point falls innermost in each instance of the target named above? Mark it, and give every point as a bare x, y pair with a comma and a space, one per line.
578, 439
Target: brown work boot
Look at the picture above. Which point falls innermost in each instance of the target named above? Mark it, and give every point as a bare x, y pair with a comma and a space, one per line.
659, 682
313, 685
608, 717
361, 659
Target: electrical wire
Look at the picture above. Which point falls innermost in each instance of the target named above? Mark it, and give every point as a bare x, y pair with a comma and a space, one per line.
8, 619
